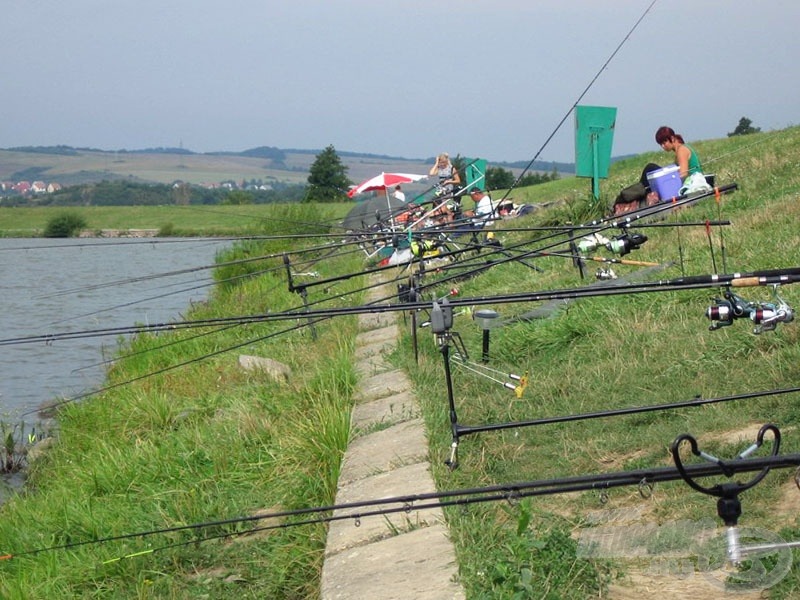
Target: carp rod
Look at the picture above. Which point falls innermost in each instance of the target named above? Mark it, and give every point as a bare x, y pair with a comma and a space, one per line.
644, 479
169, 368
190, 270
565, 228
209, 283
596, 227
770, 277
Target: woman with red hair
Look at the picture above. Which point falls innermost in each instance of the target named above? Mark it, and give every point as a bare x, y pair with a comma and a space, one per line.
687, 160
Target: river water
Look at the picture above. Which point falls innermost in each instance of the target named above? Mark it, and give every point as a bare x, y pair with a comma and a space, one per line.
54, 286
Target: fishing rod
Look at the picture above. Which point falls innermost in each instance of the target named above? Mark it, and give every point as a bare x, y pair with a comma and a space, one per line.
643, 478
598, 227
603, 259
308, 323
175, 366
210, 283
567, 228
441, 324
234, 278
127, 242
190, 270
768, 277
173, 325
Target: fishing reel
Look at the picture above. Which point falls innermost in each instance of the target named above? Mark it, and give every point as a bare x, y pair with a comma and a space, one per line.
765, 315
407, 294
621, 244
605, 274
425, 248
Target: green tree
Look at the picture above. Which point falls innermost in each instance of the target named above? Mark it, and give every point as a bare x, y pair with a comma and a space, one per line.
498, 178
327, 179
236, 197
744, 127
537, 178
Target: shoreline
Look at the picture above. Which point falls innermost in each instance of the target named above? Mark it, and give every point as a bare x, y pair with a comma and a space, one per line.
118, 233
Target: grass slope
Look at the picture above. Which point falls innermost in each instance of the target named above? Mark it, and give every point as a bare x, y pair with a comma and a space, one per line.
208, 442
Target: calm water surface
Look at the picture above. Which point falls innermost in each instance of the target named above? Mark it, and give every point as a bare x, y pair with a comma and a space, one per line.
56, 286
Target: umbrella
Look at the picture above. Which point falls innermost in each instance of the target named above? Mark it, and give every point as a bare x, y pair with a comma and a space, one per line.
383, 181
365, 214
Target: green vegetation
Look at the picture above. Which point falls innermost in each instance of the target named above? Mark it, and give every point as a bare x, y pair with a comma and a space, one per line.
327, 178
745, 127
242, 219
208, 442
623, 351
65, 224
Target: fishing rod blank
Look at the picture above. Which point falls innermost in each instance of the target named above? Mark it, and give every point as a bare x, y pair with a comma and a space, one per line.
441, 326
502, 492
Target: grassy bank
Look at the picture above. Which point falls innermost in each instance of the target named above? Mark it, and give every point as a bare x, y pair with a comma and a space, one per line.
174, 220
203, 442
619, 352
208, 442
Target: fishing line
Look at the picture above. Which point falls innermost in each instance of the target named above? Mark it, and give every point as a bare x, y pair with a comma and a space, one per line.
567, 228
765, 138
580, 97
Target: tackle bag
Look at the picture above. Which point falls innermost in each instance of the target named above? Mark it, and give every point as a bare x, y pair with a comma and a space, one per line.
630, 198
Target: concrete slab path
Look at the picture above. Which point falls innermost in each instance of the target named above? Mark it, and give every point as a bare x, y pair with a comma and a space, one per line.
406, 554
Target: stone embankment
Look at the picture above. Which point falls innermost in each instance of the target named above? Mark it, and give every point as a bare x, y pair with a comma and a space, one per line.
118, 233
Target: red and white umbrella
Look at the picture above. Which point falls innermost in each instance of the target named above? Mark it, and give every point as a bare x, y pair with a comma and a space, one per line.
383, 181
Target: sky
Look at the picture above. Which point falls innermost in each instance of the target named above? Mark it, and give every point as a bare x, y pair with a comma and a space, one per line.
496, 79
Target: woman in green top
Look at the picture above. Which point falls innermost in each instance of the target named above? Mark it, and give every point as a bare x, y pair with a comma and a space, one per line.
687, 160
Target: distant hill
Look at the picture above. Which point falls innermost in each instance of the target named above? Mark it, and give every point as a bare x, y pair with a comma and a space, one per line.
70, 166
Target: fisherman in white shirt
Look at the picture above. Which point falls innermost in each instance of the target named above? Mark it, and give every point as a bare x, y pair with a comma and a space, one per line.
484, 209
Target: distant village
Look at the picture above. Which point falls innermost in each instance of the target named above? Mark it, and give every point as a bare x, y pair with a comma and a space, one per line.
33, 188
28, 188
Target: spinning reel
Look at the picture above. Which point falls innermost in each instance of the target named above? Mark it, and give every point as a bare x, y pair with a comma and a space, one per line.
765, 315
621, 244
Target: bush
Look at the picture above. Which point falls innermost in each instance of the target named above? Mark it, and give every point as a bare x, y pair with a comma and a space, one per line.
65, 224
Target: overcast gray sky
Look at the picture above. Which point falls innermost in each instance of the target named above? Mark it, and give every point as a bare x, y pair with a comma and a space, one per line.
410, 78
